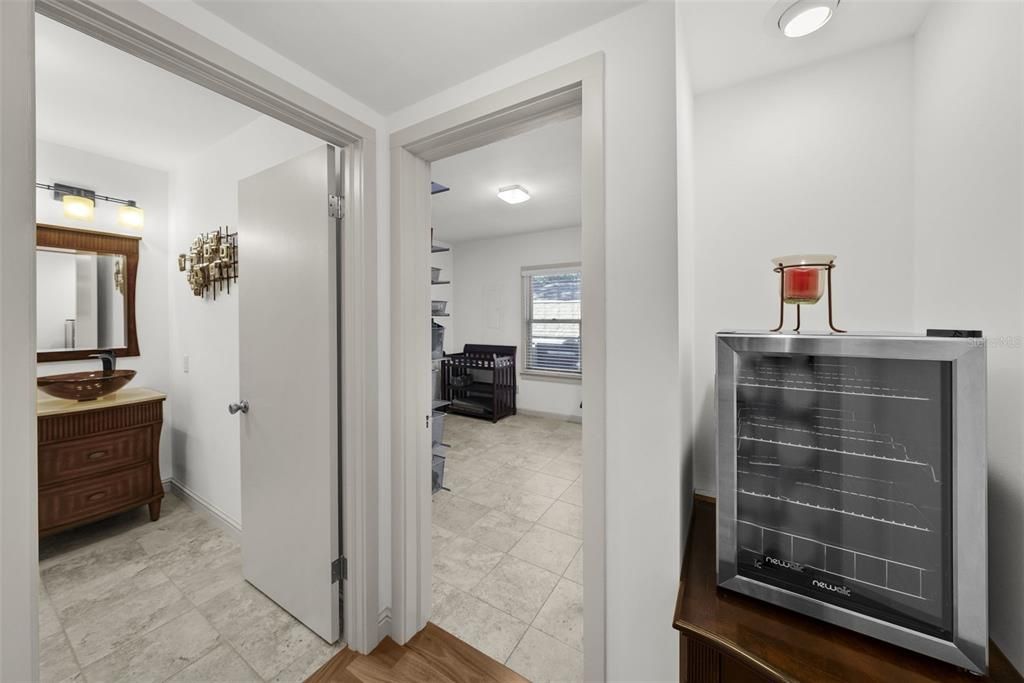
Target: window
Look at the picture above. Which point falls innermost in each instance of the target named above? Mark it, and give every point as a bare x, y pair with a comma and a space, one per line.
551, 298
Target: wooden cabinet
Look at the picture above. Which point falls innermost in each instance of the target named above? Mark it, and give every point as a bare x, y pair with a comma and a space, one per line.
725, 637
98, 458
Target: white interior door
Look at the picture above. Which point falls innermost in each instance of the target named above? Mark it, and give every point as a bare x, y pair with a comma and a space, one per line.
288, 361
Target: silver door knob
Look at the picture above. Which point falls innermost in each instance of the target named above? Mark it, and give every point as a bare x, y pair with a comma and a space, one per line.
241, 406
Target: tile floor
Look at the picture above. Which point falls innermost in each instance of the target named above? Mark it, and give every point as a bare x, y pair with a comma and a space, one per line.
127, 599
507, 543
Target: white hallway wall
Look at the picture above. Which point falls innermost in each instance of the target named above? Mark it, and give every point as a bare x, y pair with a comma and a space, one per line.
58, 163
644, 449
206, 438
814, 160
489, 289
969, 239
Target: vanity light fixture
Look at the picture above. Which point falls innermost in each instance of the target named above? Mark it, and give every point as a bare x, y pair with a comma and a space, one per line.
513, 194
80, 204
78, 207
131, 216
804, 17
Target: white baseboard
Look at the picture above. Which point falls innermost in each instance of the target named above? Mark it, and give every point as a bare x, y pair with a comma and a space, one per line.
552, 416
384, 624
200, 505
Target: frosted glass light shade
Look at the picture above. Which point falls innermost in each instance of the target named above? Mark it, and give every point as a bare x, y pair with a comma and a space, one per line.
131, 216
79, 208
513, 194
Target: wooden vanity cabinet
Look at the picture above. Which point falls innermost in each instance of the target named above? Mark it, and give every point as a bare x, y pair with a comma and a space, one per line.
98, 458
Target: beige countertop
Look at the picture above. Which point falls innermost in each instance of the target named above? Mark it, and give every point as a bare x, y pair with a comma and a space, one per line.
47, 405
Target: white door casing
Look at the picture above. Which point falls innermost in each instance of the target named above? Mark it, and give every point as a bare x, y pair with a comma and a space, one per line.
288, 374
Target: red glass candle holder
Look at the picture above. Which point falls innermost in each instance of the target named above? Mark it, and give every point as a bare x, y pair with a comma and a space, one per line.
801, 283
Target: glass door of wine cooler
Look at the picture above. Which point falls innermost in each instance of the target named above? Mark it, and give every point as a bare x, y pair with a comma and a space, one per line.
842, 482
850, 468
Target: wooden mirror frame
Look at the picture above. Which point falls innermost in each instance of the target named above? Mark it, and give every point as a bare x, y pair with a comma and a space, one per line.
75, 239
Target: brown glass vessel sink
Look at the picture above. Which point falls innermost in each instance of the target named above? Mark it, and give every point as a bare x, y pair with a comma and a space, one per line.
84, 386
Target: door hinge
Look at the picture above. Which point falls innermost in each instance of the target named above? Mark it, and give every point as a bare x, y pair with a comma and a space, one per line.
339, 569
335, 206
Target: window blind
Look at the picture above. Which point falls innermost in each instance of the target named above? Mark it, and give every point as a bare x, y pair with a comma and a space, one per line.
553, 319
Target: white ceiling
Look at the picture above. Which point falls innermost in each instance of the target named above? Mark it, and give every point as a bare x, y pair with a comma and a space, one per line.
99, 99
545, 161
730, 42
392, 53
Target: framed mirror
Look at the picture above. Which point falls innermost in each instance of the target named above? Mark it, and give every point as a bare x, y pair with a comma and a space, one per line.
85, 293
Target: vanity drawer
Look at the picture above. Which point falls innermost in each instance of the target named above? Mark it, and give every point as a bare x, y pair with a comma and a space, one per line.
106, 493
67, 460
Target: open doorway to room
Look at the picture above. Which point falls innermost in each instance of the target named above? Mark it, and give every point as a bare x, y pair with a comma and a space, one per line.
164, 552
507, 293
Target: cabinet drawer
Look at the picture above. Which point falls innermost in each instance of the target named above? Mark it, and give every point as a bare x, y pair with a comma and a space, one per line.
63, 461
72, 502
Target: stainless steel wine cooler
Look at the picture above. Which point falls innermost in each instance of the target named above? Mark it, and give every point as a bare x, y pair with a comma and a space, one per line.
852, 483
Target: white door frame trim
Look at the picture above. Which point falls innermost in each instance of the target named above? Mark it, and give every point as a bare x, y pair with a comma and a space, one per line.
132, 26
576, 88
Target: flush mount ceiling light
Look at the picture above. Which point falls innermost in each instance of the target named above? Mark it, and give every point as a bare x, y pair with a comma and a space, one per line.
804, 17
80, 204
513, 194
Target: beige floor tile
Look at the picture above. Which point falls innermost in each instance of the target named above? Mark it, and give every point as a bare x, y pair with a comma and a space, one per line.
486, 628
574, 494
546, 485
546, 548
108, 625
564, 517
56, 659
67, 575
456, 513
306, 664
267, 637
158, 654
440, 592
516, 587
463, 562
511, 476
499, 530
203, 577
565, 467
219, 664
439, 536
511, 500
574, 572
562, 614
543, 659
49, 622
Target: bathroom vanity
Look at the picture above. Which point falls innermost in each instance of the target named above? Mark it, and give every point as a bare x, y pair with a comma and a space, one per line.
98, 458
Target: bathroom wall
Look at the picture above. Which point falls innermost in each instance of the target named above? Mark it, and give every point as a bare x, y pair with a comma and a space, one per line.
969, 239
813, 160
489, 289
206, 438
149, 187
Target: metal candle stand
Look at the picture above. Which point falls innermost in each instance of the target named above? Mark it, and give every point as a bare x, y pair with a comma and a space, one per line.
781, 270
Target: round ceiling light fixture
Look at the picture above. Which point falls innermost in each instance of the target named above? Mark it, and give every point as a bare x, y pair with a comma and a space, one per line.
804, 17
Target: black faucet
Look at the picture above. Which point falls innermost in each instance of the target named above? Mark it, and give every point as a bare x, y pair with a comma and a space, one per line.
108, 358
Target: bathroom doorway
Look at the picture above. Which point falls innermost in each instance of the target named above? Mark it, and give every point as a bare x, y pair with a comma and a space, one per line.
115, 590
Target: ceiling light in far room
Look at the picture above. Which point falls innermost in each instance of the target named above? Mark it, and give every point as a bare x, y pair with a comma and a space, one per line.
804, 17
130, 216
78, 207
513, 194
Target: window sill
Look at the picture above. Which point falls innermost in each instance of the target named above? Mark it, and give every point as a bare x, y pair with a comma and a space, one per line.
563, 377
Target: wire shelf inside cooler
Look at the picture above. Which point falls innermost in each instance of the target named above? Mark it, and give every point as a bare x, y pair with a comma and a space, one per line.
825, 378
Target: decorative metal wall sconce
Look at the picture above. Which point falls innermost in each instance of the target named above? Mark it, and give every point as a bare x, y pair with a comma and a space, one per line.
211, 262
